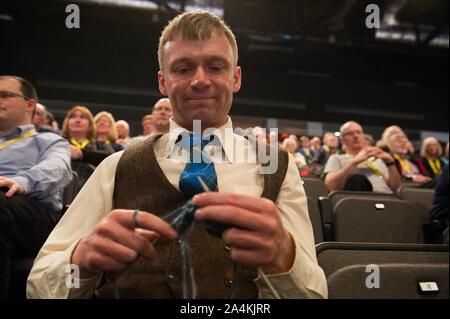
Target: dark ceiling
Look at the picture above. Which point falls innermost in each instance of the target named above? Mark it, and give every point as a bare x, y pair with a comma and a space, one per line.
310, 60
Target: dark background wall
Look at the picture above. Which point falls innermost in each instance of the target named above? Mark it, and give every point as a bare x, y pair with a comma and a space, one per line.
302, 60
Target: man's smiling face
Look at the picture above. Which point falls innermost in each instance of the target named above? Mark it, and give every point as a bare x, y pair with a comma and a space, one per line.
199, 78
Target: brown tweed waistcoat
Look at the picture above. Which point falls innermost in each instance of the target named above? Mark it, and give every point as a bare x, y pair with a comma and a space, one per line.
141, 184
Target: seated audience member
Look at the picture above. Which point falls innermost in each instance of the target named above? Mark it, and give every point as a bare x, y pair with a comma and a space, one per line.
315, 143
431, 152
162, 112
50, 122
86, 153
409, 168
387, 133
155, 123
368, 140
106, 130
34, 169
322, 154
330, 146
293, 137
147, 125
289, 146
123, 132
444, 157
259, 134
41, 120
305, 149
361, 168
439, 211
111, 226
273, 138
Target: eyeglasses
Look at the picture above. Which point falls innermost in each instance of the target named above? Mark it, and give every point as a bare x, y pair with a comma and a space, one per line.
162, 108
353, 133
8, 95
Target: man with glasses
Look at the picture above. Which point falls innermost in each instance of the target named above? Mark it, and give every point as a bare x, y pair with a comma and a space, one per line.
34, 169
361, 168
161, 114
155, 123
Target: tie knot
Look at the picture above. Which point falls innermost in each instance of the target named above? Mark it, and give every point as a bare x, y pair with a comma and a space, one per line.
196, 140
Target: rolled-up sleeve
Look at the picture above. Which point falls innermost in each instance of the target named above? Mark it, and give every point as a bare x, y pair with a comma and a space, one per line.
53, 171
49, 276
306, 278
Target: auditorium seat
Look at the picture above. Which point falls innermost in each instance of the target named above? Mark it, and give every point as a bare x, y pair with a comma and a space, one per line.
314, 187
371, 217
70, 191
421, 196
385, 271
316, 220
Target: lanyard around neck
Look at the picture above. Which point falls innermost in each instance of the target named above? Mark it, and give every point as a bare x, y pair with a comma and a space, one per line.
80, 146
328, 149
369, 164
435, 166
403, 163
21, 137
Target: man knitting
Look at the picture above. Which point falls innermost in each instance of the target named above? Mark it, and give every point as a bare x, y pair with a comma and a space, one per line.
113, 225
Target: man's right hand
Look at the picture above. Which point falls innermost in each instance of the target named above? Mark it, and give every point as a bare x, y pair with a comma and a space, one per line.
115, 242
374, 152
12, 185
362, 156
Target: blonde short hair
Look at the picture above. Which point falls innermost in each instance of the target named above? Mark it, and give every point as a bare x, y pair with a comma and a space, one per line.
428, 140
195, 25
92, 129
112, 134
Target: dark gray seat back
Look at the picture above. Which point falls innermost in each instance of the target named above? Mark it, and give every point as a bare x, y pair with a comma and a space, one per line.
383, 271
382, 220
316, 220
314, 187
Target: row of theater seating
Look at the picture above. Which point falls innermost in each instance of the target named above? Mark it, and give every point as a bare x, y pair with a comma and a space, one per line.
373, 245
355, 232
368, 217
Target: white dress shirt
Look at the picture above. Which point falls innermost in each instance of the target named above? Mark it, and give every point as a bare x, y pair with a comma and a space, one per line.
51, 273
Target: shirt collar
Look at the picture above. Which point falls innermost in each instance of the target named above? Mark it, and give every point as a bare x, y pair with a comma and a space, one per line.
222, 133
19, 130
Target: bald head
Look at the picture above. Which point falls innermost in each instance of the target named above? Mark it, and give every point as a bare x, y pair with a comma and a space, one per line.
162, 111
352, 136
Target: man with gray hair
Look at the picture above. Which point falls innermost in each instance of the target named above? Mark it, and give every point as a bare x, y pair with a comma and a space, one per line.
123, 132
361, 168
410, 169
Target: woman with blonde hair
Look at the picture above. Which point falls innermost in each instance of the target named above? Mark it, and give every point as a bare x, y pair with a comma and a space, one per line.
106, 130
431, 152
86, 153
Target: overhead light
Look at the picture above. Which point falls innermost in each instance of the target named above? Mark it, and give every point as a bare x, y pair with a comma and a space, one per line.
128, 3
6, 17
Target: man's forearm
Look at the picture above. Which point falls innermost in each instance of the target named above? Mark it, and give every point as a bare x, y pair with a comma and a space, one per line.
335, 180
394, 181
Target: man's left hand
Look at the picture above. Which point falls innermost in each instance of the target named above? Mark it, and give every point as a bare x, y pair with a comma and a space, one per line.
379, 153
257, 236
13, 186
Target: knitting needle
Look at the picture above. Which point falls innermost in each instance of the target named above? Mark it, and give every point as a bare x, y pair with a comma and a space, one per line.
204, 186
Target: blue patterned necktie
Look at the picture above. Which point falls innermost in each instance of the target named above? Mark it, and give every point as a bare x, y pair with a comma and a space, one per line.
200, 165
